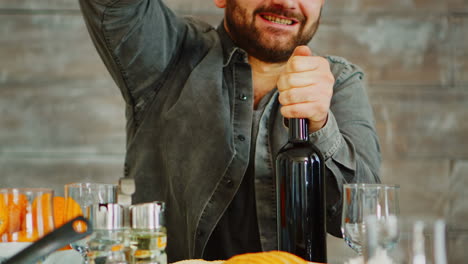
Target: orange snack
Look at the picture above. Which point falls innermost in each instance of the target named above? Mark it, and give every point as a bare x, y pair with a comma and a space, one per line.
59, 211
59, 215
67, 247
271, 257
14, 211
21, 221
199, 261
288, 257
72, 209
117, 248
3, 215
80, 226
42, 214
12, 214
25, 236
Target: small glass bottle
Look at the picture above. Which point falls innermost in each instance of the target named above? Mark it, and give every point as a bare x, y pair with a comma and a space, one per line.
107, 243
148, 236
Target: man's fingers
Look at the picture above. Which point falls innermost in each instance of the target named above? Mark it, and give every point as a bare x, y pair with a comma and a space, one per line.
295, 80
302, 79
306, 87
304, 110
312, 93
301, 64
295, 96
302, 51
306, 63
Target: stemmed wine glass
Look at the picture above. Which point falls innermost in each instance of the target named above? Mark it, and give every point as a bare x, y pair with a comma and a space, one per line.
418, 241
78, 197
361, 201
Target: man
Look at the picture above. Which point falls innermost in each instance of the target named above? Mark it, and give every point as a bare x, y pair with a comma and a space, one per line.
205, 110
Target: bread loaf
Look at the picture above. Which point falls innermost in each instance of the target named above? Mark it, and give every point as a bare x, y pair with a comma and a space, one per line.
271, 257
198, 261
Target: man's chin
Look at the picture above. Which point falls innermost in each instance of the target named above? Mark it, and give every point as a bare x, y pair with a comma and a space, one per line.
278, 50
271, 55
278, 40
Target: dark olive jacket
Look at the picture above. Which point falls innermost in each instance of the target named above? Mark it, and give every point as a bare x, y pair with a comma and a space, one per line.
189, 102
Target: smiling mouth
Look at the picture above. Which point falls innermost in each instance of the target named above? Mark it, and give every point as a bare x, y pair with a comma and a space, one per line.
278, 20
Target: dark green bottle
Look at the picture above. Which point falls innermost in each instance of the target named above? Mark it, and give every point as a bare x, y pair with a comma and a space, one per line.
300, 192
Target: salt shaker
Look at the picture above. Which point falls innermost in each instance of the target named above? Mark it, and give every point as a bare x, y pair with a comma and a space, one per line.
108, 242
148, 235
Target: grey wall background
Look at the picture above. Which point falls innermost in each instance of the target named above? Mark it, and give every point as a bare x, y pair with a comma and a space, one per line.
62, 118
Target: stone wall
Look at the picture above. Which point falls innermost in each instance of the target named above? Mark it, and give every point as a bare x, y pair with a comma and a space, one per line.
62, 117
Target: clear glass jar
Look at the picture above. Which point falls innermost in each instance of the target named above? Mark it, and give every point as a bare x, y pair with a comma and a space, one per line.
109, 242
148, 246
107, 246
148, 236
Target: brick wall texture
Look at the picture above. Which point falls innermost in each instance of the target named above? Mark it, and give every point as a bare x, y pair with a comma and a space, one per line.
62, 118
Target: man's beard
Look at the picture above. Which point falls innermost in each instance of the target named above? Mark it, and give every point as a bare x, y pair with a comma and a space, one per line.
250, 38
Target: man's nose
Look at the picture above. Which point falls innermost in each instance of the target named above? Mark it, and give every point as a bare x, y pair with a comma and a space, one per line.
284, 4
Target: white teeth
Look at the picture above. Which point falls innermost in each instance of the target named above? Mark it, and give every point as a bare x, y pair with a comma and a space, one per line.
279, 20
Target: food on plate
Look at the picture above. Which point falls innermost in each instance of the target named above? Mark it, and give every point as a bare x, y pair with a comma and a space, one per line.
270, 257
59, 211
43, 221
3, 216
198, 261
26, 221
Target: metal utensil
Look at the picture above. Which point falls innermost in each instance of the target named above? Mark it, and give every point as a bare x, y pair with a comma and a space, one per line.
53, 241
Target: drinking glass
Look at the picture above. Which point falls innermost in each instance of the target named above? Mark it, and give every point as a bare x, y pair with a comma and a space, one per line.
417, 242
362, 200
78, 197
26, 214
148, 236
108, 243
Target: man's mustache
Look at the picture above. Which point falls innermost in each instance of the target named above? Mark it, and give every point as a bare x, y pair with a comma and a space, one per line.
280, 12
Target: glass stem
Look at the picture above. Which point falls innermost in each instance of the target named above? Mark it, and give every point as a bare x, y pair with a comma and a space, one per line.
84, 255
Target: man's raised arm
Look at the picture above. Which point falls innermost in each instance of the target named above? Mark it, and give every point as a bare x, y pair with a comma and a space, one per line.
136, 39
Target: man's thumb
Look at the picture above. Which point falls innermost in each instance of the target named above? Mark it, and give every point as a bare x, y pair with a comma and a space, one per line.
302, 51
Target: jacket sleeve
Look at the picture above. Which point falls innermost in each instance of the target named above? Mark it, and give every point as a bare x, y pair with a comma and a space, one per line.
349, 140
137, 40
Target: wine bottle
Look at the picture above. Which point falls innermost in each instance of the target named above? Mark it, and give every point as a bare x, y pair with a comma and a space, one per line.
300, 193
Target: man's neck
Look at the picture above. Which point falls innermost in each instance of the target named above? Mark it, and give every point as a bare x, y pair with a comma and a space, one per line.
265, 76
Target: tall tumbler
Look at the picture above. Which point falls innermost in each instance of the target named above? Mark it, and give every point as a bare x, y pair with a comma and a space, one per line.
78, 197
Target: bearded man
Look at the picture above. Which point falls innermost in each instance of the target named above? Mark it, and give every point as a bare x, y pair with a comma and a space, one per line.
205, 112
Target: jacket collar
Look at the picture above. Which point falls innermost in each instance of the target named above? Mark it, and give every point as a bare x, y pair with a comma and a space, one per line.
230, 50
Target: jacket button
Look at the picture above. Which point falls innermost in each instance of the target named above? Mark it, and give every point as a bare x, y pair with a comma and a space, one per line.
241, 137
243, 97
199, 233
229, 183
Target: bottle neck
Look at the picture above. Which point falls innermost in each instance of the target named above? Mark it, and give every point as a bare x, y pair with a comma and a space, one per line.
298, 130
